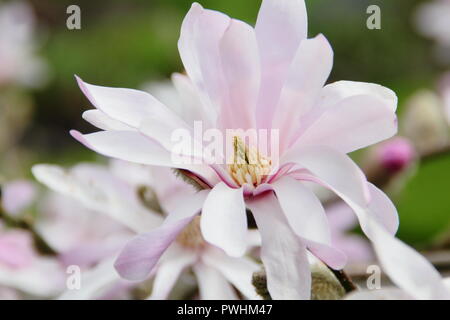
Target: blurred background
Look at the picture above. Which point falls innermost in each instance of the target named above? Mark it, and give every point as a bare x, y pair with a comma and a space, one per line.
131, 43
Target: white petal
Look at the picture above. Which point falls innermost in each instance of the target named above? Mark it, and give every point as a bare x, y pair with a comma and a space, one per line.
213, 285
335, 92
102, 121
198, 45
280, 27
283, 253
240, 62
306, 77
224, 221
303, 210
239, 271
141, 254
352, 123
127, 105
125, 145
94, 282
44, 278
192, 109
334, 170
168, 271
408, 269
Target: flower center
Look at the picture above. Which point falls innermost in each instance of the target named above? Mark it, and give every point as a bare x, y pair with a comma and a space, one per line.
191, 236
248, 165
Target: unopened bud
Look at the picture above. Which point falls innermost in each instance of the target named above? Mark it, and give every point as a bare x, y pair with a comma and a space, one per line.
396, 154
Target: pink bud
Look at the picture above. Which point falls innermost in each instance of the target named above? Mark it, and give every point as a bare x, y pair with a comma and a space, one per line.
395, 154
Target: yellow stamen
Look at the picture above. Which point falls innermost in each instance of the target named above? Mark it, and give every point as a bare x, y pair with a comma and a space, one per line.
248, 166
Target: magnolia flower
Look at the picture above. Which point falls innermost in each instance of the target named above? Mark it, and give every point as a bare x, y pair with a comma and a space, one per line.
18, 62
239, 77
113, 191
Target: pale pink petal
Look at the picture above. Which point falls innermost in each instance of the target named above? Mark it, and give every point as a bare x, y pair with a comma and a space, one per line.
335, 92
306, 77
283, 253
192, 109
332, 256
168, 271
303, 210
340, 174
102, 121
95, 282
333, 170
353, 123
212, 284
141, 254
280, 27
127, 105
239, 271
240, 62
198, 45
17, 195
383, 210
408, 269
223, 221
125, 145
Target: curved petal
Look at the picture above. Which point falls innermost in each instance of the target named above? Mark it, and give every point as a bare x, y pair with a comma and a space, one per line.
198, 45
408, 269
141, 254
283, 253
192, 109
302, 209
306, 77
102, 121
335, 92
212, 285
239, 271
223, 221
125, 145
353, 123
280, 27
168, 272
333, 170
340, 174
127, 105
240, 63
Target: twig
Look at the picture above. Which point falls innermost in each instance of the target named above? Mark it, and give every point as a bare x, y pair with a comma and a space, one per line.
344, 280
